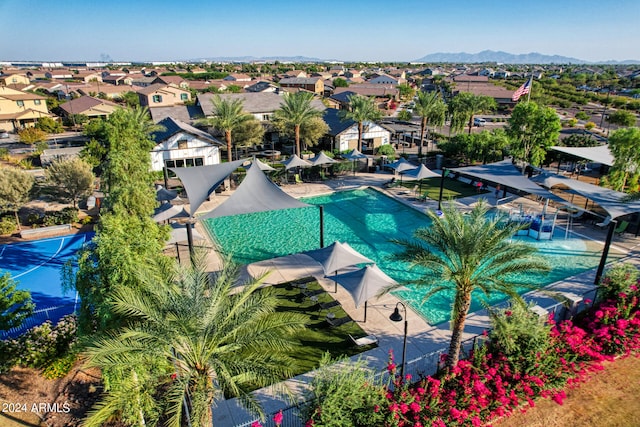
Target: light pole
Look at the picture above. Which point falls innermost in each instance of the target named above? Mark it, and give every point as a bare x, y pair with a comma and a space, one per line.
397, 317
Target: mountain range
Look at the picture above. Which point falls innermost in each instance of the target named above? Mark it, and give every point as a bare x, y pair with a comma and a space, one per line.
460, 57
510, 58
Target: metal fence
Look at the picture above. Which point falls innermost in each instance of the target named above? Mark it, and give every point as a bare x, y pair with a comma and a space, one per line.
39, 317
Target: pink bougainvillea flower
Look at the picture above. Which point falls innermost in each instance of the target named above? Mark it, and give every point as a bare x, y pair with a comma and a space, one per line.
277, 418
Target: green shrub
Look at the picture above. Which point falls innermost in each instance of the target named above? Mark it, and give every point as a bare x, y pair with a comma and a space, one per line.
348, 395
39, 346
7, 225
86, 220
60, 367
387, 150
589, 125
31, 135
67, 215
581, 115
4, 153
617, 279
34, 219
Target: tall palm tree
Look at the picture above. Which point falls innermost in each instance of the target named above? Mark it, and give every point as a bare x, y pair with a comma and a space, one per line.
361, 109
228, 116
191, 339
464, 106
465, 253
431, 109
296, 111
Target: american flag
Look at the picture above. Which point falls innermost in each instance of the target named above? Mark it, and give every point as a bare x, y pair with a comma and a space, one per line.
526, 86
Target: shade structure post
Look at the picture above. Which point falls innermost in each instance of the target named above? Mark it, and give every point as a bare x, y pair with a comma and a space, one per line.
365, 312
321, 226
605, 252
190, 241
441, 188
165, 175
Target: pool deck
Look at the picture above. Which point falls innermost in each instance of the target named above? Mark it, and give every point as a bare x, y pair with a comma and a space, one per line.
422, 337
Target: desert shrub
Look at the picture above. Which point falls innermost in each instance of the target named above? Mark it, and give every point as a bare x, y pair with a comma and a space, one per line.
621, 278
7, 225
67, 215
589, 125
31, 135
4, 153
39, 346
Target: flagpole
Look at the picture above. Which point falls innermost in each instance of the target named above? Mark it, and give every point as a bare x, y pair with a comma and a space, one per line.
530, 86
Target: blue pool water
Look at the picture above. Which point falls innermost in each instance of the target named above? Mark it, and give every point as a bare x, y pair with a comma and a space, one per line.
367, 220
36, 266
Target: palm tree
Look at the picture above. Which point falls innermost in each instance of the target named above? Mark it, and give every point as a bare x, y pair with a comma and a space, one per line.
228, 116
463, 253
464, 106
296, 112
431, 110
191, 339
361, 109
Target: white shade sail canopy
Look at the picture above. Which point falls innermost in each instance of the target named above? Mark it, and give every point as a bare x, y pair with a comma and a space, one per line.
179, 234
402, 165
263, 166
355, 155
364, 283
167, 211
422, 172
200, 181
256, 193
600, 154
337, 256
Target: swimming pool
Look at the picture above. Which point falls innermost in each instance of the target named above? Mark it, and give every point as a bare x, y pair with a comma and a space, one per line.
367, 220
36, 266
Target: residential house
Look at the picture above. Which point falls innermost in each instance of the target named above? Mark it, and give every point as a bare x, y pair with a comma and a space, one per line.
94, 108
385, 79
118, 79
14, 79
376, 90
501, 95
343, 135
189, 114
105, 90
352, 73
175, 81
236, 77
21, 109
182, 145
337, 70
145, 81
312, 84
502, 74
87, 76
159, 95
262, 86
59, 74
298, 74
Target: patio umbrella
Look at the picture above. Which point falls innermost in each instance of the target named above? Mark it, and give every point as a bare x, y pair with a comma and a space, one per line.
179, 234
164, 195
355, 155
401, 166
262, 166
295, 162
321, 159
421, 173
167, 211
364, 283
336, 256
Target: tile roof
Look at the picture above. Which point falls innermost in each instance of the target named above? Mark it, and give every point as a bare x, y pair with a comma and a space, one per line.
84, 103
173, 126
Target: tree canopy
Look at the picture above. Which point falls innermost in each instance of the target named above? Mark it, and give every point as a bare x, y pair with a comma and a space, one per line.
295, 113
72, 178
228, 117
432, 110
532, 129
625, 148
464, 106
15, 305
361, 109
15, 188
462, 253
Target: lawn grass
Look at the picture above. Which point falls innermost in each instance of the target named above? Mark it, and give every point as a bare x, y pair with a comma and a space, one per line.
453, 189
318, 337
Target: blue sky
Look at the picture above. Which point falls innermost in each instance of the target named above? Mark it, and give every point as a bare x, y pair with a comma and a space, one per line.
373, 30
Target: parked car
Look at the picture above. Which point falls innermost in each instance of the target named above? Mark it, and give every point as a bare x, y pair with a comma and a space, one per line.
479, 122
4, 134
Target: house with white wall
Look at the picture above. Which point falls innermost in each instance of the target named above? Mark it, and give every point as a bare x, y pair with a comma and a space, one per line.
182, 145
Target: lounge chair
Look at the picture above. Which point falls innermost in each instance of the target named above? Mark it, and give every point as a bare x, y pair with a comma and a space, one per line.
298, 180
621, 228
389, 183
604, 223
328, 305
313, 293
333, 322
303, 281
368, 340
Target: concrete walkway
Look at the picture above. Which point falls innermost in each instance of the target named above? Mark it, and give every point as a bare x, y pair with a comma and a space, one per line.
423, 338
